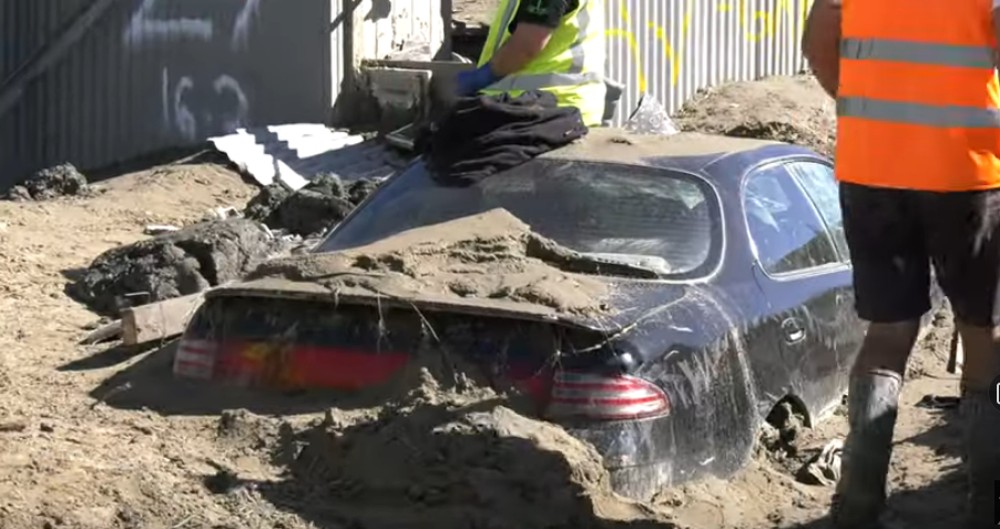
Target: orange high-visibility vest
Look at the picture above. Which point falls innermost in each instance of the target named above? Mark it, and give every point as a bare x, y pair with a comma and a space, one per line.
918, 105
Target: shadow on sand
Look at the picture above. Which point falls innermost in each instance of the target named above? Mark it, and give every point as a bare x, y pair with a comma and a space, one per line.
938, 505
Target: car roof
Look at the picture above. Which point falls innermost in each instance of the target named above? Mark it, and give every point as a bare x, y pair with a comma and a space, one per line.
689, 151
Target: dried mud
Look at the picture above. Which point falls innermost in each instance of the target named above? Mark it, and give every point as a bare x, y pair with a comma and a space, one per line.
174, 264
311, 210
447, 451
789, 109
492, 257
59, 181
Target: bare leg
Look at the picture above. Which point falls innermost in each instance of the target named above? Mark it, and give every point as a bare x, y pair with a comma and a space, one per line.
873, 399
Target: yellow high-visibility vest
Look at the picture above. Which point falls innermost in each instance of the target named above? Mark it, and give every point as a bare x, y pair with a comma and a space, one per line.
571, 66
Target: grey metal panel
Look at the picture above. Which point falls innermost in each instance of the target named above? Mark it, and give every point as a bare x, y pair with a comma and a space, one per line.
674, 48
151, 74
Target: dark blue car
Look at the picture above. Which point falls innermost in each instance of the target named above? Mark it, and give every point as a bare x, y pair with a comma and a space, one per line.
741, 300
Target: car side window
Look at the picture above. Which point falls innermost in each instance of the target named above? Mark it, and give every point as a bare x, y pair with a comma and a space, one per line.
820, 185
784, 227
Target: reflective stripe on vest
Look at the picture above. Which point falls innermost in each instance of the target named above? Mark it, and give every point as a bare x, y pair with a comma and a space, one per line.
539, 81
917, 53
952, 116
928, 54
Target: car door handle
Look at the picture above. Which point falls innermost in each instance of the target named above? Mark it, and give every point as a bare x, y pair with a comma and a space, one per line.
793, 330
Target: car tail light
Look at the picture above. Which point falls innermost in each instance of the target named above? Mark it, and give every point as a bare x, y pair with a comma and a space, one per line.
195, 359
605, 398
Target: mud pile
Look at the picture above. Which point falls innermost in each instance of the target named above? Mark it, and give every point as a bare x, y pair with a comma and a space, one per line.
312, 209
175, 264
789, 109
449, 452
492, 258
50, 183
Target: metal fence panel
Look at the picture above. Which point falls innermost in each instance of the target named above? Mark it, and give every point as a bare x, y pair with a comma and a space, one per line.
671, 49
151, 74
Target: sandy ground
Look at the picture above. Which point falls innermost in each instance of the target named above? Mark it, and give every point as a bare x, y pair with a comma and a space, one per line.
475, 12
99, 437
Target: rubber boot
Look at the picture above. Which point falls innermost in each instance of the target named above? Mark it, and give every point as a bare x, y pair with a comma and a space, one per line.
872, 404
982, 455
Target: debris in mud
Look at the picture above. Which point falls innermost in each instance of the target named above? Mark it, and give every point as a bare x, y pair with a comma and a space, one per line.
823, 468
936, 402
779, 435
492, 258
53, 182
795, 110
447, 451
173, 264
312, 209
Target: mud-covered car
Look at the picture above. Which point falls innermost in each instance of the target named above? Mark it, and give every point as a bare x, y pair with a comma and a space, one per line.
729, 294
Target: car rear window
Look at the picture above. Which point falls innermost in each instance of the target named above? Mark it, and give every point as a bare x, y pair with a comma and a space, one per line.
670, 217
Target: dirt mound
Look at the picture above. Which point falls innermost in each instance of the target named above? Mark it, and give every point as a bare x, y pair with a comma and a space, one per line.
174, 264
447, 452
789, 109
312, 209
53, 182
491, 257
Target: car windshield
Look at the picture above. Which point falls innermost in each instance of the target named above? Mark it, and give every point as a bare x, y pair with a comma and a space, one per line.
658, 219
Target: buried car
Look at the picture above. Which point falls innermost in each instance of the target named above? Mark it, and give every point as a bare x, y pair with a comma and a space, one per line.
725, 291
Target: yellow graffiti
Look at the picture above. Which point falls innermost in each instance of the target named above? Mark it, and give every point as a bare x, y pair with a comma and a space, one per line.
756, 25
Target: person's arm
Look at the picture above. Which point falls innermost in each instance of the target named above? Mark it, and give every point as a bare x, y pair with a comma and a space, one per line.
527, 41
821, 43
996, 33
531, 29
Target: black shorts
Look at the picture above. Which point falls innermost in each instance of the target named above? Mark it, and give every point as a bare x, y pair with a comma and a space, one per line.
895, 236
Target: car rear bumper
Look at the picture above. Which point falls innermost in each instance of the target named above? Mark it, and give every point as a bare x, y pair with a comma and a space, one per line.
642, 457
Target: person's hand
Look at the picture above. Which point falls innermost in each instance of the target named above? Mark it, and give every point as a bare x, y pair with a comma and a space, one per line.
471, 81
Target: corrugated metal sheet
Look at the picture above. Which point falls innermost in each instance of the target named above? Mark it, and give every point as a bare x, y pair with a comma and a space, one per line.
154, 74
673, 48
295, 154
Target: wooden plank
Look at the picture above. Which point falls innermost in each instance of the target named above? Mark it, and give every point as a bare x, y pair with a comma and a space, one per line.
159, 321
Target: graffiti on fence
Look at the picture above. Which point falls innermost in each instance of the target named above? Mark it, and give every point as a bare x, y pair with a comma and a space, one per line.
755, 24
197, 98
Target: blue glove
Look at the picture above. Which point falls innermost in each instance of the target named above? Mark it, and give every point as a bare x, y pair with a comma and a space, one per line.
471, 81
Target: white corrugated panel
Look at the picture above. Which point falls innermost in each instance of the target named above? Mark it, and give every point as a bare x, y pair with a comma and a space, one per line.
674, 48
386, 28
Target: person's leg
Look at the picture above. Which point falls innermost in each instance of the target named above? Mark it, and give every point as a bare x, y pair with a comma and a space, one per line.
891, 282
965, 242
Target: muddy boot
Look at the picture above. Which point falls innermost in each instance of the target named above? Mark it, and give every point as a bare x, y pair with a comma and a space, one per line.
982, 455
872, 402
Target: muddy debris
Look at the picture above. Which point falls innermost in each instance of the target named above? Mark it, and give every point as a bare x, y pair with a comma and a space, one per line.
794, 110
58, 181
492, 258
823, 468
175, 264
448, 451
311, 210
